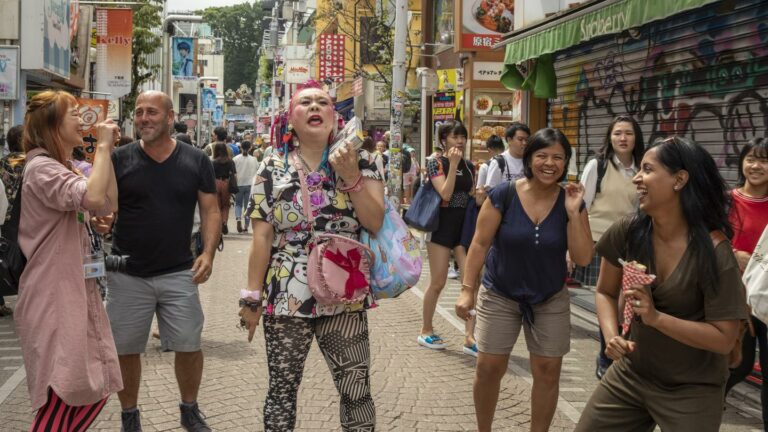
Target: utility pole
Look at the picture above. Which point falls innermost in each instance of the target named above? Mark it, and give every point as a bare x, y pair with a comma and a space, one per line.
395, 185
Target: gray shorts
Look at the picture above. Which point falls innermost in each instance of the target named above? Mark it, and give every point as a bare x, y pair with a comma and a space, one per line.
499, 322
133, 301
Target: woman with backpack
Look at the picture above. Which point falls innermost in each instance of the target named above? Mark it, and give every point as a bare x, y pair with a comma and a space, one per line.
453, 178
670, 369
528, 225
610, 195
297, 195
749, 217
67, 344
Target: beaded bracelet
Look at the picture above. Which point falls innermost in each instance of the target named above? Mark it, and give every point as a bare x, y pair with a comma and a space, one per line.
357, 186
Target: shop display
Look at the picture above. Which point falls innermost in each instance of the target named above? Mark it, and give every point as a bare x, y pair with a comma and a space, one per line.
483, 104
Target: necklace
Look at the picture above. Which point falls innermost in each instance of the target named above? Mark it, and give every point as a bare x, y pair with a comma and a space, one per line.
314, 181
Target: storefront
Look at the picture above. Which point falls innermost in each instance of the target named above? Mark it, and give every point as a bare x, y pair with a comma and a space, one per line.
693, 68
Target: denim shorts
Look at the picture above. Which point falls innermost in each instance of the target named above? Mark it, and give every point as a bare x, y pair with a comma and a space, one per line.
133, 301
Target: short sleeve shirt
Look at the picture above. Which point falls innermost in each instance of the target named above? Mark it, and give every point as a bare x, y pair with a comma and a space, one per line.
659, 358
276, 198
437, 167
156, 207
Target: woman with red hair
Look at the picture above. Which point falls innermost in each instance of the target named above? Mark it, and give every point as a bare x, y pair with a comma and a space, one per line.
67, 345
346, 194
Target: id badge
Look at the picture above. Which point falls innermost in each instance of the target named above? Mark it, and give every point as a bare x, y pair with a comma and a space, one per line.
93, 266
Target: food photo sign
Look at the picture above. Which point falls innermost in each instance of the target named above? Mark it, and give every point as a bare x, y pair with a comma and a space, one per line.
484, 22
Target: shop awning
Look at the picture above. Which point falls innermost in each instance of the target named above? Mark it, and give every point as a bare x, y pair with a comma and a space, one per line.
580, 25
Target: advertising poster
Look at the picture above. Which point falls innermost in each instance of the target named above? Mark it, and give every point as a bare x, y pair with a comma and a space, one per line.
484, 22
331, 57
114, 28
209, 99
56, 36
9, 72
445, 103
92, 111
218, 115
296, 71
183, 58
79, 66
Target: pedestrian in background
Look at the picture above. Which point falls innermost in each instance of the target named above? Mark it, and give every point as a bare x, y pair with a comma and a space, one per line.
245, 168
495, 146
68, 349
160, 180
508, 166
346, 195
223, 168
528, 225
11, 167
749, 216
671, 369
610, 195
375, 159
453, 178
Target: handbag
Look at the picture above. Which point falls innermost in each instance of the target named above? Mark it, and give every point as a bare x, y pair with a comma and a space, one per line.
397, 264
755, 279
12, 259
233, 188
424, 212
339, 268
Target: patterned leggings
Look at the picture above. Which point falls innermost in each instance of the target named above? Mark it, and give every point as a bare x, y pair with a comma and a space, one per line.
57, 416
343, 340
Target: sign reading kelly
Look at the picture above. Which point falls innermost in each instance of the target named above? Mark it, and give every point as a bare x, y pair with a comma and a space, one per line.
114, 46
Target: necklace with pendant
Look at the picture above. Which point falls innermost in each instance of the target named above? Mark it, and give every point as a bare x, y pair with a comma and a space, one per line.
314, 181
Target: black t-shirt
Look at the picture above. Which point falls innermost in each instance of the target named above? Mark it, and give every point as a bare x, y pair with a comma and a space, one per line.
223, 169
156, 206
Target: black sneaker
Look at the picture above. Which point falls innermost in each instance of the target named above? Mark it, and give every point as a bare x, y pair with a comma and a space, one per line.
601, 367
192, 419
5, 311
131, 421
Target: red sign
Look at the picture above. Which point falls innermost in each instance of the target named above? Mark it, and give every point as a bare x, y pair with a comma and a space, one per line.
331, 55
478, 41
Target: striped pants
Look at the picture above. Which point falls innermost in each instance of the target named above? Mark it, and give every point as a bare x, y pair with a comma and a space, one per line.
343, 340
57, 416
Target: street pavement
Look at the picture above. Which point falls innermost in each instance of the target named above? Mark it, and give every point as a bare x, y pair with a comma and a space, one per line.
415, 389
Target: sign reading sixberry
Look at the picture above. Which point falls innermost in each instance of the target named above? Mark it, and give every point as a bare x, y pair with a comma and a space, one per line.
331, 56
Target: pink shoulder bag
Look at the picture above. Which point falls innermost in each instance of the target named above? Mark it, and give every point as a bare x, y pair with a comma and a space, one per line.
338, 271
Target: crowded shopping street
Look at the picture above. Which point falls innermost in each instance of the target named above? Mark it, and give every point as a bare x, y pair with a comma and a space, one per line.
383, 215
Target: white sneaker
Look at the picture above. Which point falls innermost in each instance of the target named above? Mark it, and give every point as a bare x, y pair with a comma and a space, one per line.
452, 273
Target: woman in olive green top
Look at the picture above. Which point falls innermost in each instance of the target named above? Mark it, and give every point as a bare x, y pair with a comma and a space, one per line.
671, 369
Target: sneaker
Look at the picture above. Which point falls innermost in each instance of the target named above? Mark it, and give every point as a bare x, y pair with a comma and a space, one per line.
239, 227
5, 311
452, 273
432, 342
192, 419
131, 421
471, 350
601, 367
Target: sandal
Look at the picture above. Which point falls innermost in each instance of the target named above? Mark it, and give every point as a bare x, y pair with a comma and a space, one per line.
471, 350
434, 342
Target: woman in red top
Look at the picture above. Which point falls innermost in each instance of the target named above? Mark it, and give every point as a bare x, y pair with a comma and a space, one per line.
749, 217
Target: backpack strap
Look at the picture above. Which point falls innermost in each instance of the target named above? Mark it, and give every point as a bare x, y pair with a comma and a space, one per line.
602, 166
509, 196
502, 163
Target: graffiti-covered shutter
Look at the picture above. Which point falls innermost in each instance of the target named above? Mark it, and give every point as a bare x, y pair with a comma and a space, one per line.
702, 74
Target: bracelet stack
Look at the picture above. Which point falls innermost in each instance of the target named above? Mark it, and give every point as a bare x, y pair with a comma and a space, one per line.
357, 186
250, 299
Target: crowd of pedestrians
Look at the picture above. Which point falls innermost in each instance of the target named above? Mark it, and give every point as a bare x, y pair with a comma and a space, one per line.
515, 227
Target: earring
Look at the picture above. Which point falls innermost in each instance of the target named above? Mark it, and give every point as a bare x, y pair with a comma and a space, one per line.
676, 188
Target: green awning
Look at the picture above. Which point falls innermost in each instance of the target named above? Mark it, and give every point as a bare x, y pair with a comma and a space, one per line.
600, 19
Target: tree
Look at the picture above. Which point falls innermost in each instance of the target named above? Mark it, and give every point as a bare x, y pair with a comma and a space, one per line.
240, 28
146, 17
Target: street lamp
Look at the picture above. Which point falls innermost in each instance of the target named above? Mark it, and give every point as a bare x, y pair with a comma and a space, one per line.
200, 104
167, 52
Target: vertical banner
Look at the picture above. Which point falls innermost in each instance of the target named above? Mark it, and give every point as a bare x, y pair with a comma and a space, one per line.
55, 36
331, 54
483, 23
184, 56
9, 72
114, 29
209, 99
92, 111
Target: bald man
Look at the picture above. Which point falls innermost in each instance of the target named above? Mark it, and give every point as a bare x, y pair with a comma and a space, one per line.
160, 182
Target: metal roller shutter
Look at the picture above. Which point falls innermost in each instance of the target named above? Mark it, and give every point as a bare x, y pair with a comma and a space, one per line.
702, 74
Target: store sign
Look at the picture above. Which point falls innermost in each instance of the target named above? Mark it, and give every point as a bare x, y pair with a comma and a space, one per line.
114, 48
483, 23
487, 71
331, 57
9, 72
296, 71
92, 112
357, 87
45, 36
